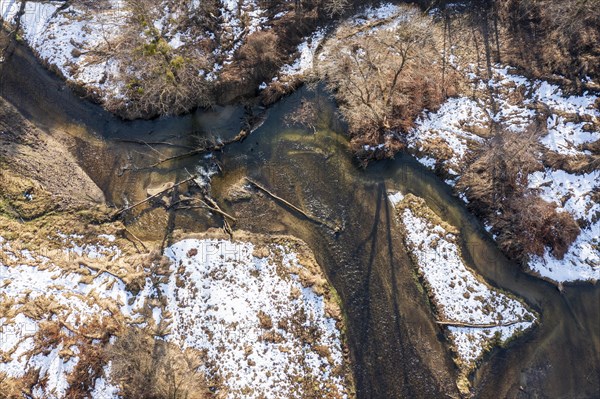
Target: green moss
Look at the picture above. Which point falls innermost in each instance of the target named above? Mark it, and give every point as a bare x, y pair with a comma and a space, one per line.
163, 47
170, 75
149, 49
177, 62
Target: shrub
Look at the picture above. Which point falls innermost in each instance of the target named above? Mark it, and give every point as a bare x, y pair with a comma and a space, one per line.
159, 80
259, 56
530, 225
146, 367
495, 183
497, 171
383, 78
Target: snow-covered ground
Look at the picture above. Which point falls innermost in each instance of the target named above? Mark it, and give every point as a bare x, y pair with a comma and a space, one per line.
573, 194
383, 16
458, 294
456, 119
564, 137
82, 40
35, 291
68, 39
239, 18
443, 138
217, 300
449, 130
306, 55
265, 332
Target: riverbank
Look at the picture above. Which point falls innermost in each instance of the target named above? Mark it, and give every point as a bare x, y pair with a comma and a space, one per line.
562, 166
82, 293
144, 59
477, 316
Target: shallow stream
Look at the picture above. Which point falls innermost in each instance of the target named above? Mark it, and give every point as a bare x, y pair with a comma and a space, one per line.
397, 349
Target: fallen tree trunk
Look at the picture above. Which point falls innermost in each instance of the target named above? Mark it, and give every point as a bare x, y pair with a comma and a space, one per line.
142, 142
292, 206
153, 196
201, 150
473, 325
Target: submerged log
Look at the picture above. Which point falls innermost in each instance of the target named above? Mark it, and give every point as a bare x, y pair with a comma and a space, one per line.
292, 206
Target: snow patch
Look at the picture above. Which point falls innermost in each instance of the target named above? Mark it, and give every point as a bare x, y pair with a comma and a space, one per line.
216, 303
307, 49
460, 296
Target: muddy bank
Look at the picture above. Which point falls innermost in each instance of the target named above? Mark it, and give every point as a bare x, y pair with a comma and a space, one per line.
32, 170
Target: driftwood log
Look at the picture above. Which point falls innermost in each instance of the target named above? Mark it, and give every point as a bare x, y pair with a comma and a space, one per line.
473, 325
292, 206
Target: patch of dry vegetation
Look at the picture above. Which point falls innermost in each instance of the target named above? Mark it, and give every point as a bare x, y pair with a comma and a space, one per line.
158, 78
495, 183
147, 367
384, 76
552, 37
143, 364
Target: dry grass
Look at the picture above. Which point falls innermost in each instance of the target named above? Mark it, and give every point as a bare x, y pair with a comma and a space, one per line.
495, 183
529, 225
24, 198
146, 367
88, 338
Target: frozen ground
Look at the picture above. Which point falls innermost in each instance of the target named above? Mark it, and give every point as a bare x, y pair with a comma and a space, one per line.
265, 333
475, 312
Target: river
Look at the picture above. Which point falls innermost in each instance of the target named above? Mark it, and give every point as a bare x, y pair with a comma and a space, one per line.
396, 348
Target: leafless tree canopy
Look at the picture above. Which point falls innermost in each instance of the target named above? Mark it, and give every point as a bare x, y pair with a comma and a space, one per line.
384, 77
552, 36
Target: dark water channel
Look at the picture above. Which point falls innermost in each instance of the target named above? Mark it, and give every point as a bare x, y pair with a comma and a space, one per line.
396, 348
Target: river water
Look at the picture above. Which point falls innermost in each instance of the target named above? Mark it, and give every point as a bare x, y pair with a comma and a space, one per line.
396, 348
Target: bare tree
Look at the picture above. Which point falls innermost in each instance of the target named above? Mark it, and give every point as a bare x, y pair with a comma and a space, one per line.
384, 76
335, 7
552, 36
